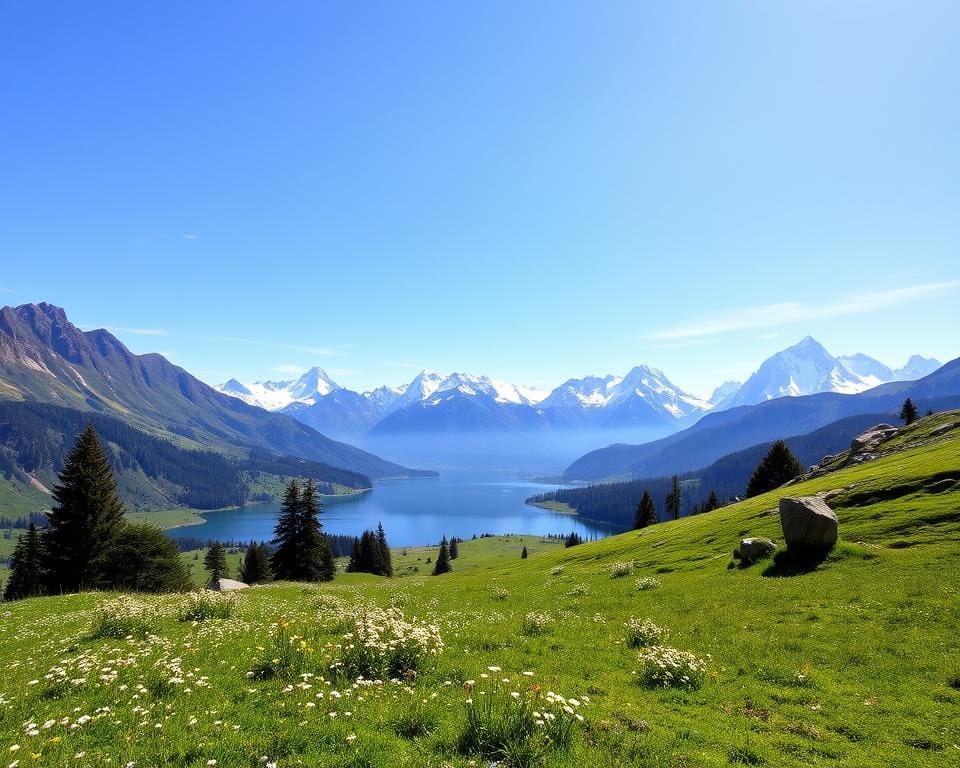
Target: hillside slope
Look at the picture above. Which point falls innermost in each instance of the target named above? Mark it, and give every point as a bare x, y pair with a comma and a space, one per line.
851, 661
45, 358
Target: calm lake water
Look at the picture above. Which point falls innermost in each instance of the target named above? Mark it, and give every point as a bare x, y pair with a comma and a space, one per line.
414, 512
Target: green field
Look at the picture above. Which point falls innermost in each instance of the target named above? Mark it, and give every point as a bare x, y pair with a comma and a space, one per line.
852, 661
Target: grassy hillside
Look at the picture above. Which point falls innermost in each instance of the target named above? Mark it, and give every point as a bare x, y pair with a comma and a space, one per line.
853, 661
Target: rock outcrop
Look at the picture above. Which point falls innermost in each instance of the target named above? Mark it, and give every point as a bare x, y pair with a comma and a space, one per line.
752, 549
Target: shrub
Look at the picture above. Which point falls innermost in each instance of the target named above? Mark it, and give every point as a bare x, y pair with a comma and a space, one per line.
617, 570
647, 582
535, 623
664, 667
644, 633
556, 570
121, 617
205, 604
384, 643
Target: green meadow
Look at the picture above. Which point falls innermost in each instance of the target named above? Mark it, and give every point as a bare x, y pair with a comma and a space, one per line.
850, 661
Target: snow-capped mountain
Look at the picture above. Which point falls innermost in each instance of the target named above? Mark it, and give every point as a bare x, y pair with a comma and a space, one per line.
722, 395
916, 368
276, 395
807, 368
803, 369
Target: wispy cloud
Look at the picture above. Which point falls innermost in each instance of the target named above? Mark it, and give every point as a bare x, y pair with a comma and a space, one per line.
321, 351
189, 236
294, 370
7, 290
792, 312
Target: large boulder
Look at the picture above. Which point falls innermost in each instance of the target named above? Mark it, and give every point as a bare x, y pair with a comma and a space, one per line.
753, 549
808, 523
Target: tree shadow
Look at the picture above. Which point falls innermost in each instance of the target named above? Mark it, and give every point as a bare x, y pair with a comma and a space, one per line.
792, 562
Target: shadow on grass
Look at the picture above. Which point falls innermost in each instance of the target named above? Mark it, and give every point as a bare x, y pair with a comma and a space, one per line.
795, 563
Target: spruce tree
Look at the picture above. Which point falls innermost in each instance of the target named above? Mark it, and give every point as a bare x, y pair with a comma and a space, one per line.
454, 548
674, 500
356, 558
713, 502
442, 565
909, 412
84, 521
646, 513
256, 565
215, 562
285, 559
523, 552
316, 552
369, 553
26, 567
778, 467
386, 561
572, 540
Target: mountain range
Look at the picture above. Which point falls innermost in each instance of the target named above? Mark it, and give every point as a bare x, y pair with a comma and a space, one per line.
549, 424
46, 360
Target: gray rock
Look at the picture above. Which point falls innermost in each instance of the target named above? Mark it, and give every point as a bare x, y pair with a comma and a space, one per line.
872, 437
753, 549
942, 486
808, 523
227, 585
944, 428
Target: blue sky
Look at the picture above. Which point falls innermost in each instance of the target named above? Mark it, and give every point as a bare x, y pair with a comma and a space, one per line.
528, 190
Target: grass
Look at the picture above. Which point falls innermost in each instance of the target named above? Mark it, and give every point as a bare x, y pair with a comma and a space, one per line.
852, 661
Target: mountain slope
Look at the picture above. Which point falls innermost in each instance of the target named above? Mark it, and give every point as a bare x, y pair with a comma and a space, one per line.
44, 357
718, 434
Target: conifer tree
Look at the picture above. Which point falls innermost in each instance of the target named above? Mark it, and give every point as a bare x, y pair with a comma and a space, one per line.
356, 558
26, 567
523, 552
84, 521
454, 548
442, 565
573, 540
215, 562
778, 467
646, 513
909, 412
285, 561
674, 501
386, 560
713, 502
256, 565
316, 552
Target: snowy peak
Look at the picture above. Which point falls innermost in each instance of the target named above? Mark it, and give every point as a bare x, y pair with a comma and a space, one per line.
724, 393
803, 369
916, 368
275, 395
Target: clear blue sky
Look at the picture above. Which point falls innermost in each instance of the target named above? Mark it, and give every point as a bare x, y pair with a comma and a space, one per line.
528, 190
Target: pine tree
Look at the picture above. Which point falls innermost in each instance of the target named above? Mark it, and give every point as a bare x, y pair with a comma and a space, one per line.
454, 548
523, 552
646, 513
573, 540
442, 564
256, 565
386, 561
674, 500
85, 520
778, 467
215, 562
713, 502
356, 558
316, 551
26, 567
909, 412
285, 559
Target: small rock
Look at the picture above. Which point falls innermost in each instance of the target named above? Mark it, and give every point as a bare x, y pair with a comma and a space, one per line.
944, 428
808, 523
227, 585
753, 549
